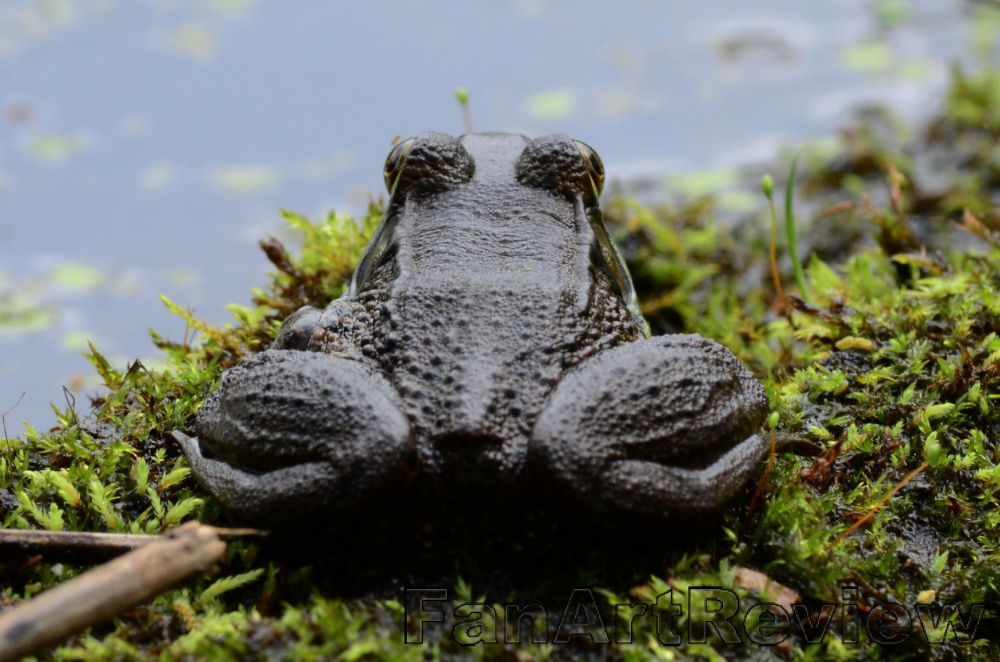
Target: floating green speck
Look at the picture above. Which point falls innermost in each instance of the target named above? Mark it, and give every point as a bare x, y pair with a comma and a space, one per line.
158, 176
892, 12
551, 105
76, 276
871, 57
194, 41
183, 277
54, 147
231, 6
20, 314
984, 29
245, 179
76, 341
920, 69
702, 182
737, 201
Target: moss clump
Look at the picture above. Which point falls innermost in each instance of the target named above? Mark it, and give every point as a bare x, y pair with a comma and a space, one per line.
894, 366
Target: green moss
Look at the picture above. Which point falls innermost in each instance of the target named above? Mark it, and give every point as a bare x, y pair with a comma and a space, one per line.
894, 363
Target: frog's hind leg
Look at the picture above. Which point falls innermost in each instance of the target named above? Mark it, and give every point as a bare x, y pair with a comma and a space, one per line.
291, 434
260, 498
663, 428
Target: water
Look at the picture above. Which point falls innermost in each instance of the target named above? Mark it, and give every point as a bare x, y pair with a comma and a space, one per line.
147, 145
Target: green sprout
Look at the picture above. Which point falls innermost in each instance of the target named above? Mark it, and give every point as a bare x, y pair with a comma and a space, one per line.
800, 277
462, 94
767, 186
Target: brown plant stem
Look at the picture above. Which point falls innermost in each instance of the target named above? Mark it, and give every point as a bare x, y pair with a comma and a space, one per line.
174, 558
910, 476
86, 546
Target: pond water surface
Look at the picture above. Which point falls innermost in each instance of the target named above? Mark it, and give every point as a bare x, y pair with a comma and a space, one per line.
147, 145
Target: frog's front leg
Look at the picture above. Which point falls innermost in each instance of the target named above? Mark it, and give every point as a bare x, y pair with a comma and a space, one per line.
292, 433
338, 330
664, 427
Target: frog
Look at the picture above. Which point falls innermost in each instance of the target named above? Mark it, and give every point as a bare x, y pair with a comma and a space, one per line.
490, 342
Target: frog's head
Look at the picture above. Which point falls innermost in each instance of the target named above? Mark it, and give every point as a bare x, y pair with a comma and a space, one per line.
436, 162
491, 202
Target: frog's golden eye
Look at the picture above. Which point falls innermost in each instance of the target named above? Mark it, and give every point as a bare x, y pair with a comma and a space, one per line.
395, 161
594, 166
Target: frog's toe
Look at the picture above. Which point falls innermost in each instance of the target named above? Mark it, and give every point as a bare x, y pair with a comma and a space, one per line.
264, 499
665, 491
665, 427
289, 434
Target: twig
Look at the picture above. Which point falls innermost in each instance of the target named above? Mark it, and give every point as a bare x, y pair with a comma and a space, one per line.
111, 589
4, 419
65, 546
71, 403
910, 476
142, 365
87, 547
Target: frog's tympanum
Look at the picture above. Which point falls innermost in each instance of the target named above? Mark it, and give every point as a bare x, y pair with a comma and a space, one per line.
490, 342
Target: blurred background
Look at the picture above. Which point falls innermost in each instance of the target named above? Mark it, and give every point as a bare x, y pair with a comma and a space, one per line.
147, 145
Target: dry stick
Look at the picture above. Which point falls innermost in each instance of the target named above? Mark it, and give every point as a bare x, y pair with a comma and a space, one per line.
4, 419
71, 403
86, 547
66, 546
108, 590
878, 505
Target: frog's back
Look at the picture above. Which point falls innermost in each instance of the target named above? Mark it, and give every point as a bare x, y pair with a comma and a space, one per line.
482, 297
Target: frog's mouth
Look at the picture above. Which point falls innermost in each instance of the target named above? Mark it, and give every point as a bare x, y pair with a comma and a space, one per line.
469, 458
465, 443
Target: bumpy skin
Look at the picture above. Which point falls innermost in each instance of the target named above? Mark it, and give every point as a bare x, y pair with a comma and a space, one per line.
490, 334
648, 428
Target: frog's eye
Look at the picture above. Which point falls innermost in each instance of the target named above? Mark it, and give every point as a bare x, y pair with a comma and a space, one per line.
395, 161
594, 166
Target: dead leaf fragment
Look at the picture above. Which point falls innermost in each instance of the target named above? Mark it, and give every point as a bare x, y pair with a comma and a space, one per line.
768, 589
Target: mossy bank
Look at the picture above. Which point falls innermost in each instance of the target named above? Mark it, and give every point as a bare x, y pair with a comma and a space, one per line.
887, 368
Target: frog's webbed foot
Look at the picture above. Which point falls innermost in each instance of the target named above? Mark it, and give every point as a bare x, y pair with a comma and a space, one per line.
337, 330
665, 428
289, 434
